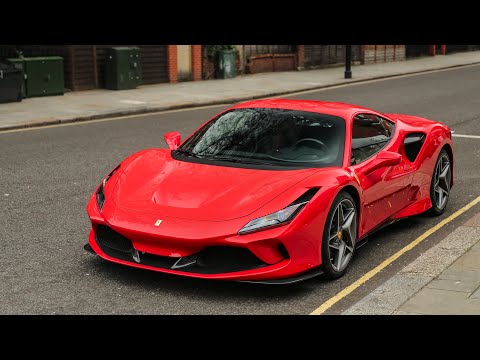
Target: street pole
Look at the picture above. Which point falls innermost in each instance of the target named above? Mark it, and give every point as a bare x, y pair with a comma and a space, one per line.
348, 62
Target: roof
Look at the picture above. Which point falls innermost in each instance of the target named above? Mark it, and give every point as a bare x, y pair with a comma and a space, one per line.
324, 107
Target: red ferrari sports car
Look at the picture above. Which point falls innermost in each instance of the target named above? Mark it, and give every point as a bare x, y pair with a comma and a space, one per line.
272, 191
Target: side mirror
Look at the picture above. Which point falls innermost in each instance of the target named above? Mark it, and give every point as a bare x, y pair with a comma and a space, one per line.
383, 159
172, 139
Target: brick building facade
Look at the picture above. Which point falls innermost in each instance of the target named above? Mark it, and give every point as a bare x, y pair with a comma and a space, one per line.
84, 64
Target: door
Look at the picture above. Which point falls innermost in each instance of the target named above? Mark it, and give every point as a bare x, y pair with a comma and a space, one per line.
386, 190
154, 64
317, 56
413, 51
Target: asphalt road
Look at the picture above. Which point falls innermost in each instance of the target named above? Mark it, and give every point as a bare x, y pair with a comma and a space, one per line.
48, 174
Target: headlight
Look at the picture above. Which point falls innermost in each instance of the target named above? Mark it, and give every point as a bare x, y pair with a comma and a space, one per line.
278, 218
100, 195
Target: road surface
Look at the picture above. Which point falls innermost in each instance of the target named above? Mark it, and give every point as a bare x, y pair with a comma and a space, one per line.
48, 174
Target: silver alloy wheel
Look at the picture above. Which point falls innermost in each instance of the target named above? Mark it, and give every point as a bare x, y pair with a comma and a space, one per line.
442, 180
342, 234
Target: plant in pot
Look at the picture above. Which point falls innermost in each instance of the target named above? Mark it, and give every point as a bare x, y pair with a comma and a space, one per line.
224, 59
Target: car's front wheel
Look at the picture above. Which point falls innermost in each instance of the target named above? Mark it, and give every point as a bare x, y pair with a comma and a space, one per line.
440, 185
339, 236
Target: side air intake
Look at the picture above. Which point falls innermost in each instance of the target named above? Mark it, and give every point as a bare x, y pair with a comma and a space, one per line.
413, 144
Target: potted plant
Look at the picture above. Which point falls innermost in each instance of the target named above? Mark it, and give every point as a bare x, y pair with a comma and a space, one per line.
224, 58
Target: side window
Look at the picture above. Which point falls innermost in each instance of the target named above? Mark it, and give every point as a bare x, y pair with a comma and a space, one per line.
370, 134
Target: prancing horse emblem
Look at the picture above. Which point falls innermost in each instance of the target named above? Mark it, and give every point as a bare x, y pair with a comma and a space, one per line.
158, 222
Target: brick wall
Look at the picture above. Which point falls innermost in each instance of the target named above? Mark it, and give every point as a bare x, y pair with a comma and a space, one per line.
172, 63
383, 53
196, 62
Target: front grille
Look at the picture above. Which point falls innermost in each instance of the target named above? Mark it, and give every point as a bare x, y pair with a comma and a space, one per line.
108, 237
212, 260
220, 259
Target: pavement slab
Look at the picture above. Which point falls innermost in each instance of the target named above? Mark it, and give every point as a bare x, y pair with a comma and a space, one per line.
387, 298
443, 280
467, 285
399, 312
454, 274
470, 261
476, 294
441, 302
435, 260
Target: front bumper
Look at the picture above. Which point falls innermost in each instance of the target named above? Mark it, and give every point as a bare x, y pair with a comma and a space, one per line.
269, 255
164, 264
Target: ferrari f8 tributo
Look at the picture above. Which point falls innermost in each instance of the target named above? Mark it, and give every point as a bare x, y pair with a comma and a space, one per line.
270, 191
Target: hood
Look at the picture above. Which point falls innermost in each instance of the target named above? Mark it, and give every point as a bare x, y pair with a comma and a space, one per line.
158, 184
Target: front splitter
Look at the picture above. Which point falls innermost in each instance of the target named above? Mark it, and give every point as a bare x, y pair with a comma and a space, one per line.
301, 277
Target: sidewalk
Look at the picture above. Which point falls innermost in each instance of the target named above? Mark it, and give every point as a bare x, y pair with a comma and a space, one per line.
445, 280
93, 104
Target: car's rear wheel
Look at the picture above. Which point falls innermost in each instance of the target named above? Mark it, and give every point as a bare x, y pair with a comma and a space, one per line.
440, 185
339, 236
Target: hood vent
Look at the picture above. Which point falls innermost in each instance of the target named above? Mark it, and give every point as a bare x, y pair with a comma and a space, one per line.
307, 196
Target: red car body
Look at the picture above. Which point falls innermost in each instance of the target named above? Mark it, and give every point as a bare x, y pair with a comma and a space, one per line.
203, 206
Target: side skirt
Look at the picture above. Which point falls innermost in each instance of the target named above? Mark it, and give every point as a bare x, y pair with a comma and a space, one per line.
364, 239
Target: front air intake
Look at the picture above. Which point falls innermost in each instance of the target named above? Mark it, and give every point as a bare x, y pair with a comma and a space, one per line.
113, 244
211, 260
413, 144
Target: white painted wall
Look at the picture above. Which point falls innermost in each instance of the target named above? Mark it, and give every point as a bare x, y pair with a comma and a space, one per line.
184, 62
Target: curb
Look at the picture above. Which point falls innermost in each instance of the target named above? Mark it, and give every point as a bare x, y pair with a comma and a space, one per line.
154, 109
396, 291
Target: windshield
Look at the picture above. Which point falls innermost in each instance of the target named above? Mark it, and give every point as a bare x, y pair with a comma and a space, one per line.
274, 137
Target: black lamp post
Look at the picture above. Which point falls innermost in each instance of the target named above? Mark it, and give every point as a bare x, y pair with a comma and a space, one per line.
348, 61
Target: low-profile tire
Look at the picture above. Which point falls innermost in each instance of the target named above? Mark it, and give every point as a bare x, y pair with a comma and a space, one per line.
339, 236
440, 185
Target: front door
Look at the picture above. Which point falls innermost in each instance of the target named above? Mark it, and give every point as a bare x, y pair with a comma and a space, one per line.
385, 191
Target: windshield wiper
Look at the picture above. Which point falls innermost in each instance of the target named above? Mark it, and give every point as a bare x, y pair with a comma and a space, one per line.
240, 160
221, 158
188, 153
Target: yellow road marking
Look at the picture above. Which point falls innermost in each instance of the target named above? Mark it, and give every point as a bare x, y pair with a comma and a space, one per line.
287, 94
349, 289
